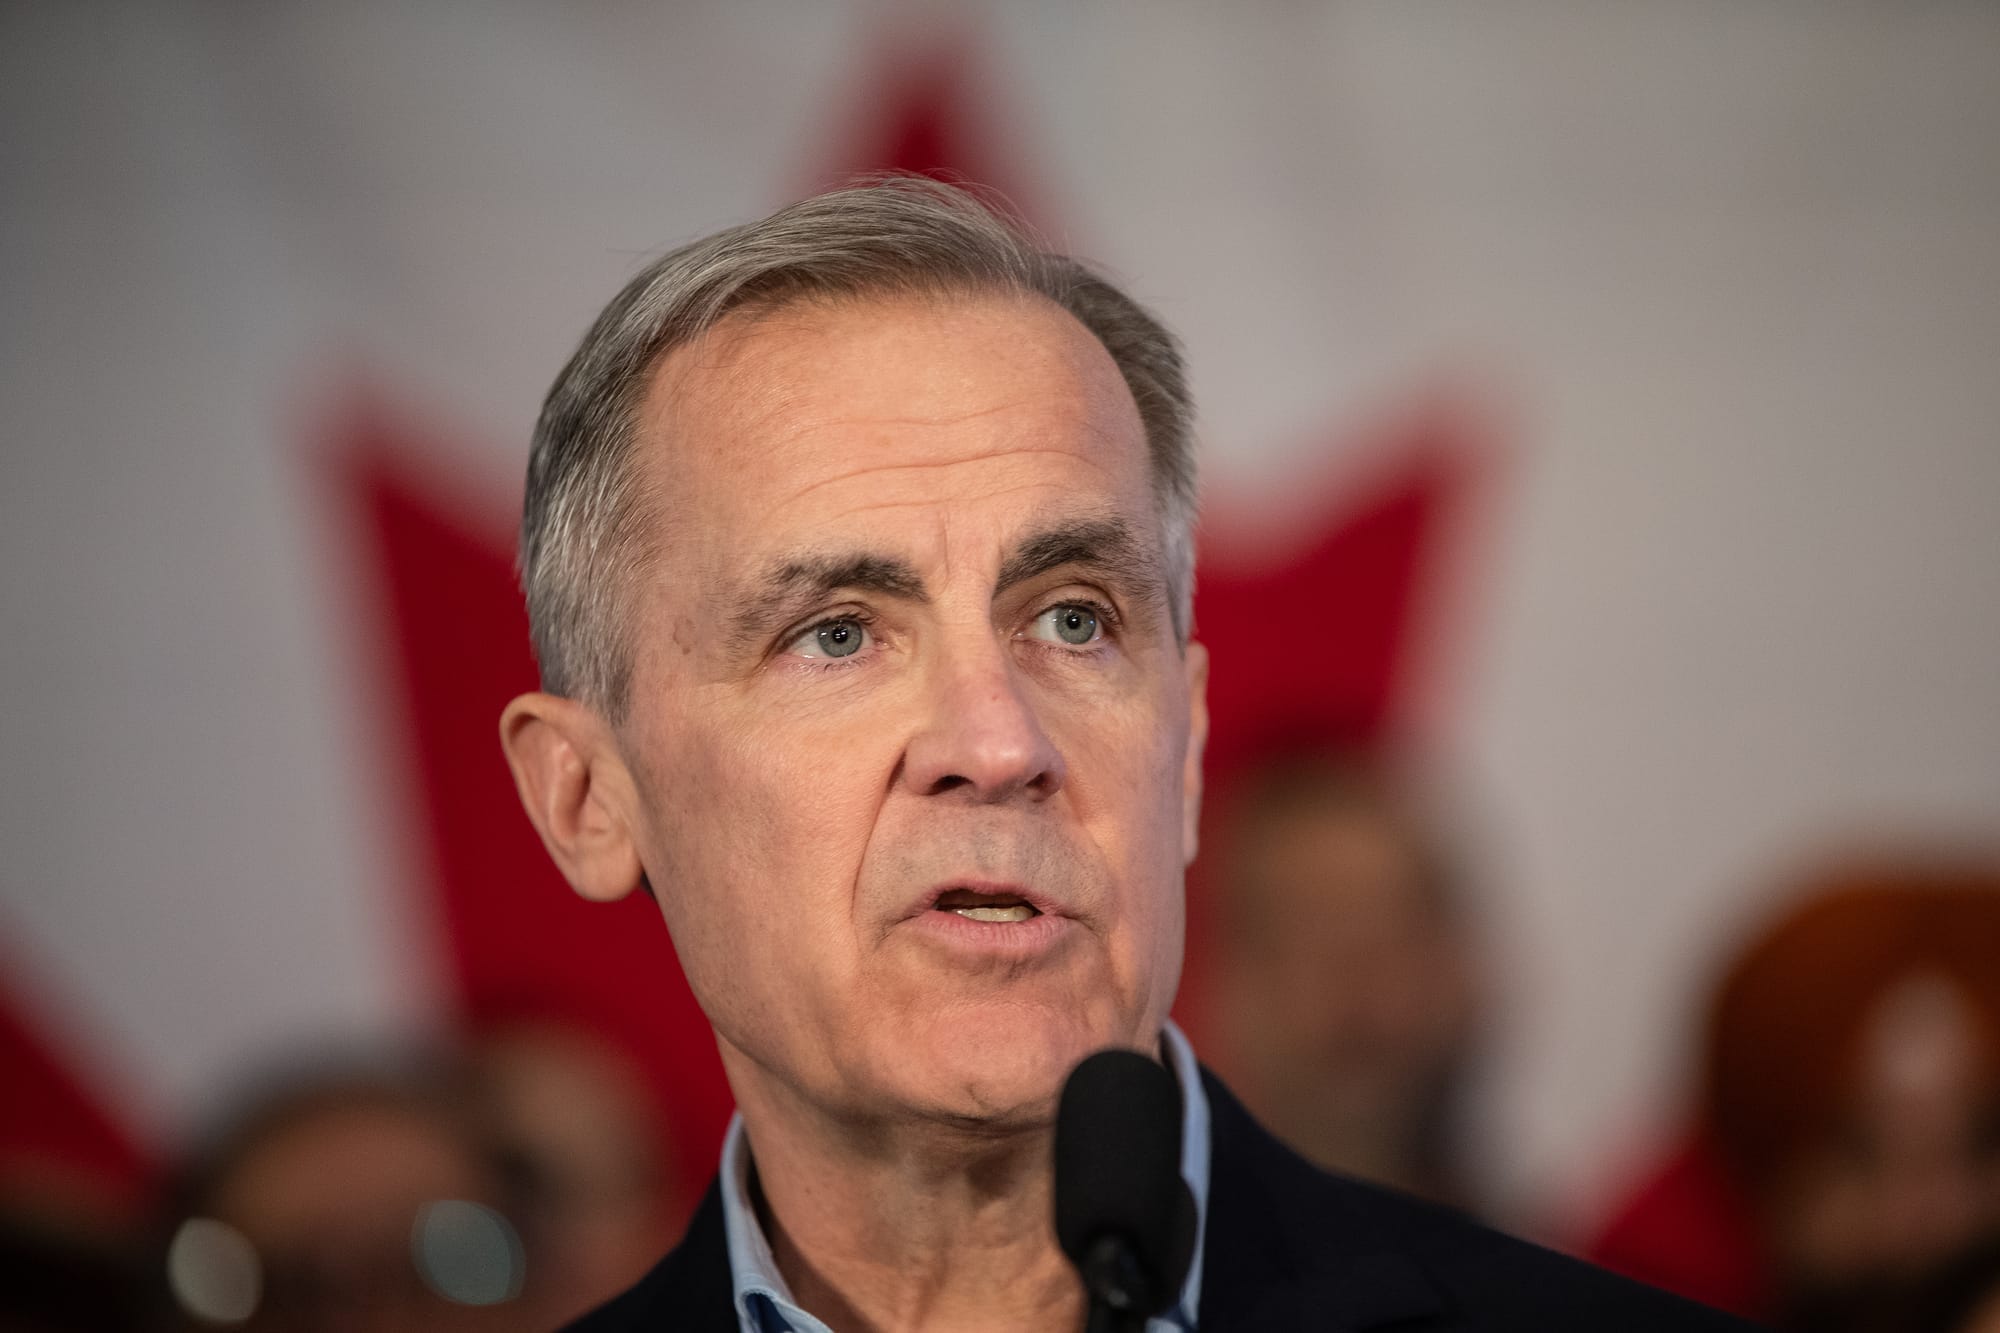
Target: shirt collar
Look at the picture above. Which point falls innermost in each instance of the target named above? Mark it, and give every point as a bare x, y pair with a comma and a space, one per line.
764, 1303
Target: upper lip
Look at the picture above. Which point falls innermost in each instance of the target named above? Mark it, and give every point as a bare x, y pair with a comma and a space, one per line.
999, 891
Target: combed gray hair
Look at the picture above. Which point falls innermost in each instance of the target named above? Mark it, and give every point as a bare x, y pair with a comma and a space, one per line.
583, 521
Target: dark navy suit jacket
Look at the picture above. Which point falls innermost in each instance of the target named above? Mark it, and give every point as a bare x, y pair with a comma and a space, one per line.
1289, 1247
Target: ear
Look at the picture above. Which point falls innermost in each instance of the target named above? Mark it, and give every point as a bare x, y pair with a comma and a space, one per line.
577, 791
1197, 692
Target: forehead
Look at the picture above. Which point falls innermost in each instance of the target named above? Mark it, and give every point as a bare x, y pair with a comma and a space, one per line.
885, 415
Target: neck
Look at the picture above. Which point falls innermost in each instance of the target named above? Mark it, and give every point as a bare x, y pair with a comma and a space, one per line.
880, 1226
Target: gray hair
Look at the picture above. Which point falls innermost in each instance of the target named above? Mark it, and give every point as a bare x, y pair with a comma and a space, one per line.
583, 519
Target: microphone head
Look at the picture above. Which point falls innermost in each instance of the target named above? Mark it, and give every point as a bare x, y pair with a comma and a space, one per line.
1120, 1201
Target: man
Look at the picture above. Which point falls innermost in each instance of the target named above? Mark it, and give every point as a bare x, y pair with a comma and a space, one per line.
858, 554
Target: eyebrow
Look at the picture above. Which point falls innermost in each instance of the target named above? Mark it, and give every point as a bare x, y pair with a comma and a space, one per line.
1105, 545
797, 583
794, 584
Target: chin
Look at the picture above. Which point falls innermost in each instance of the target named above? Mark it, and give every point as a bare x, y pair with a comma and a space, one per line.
995, 1071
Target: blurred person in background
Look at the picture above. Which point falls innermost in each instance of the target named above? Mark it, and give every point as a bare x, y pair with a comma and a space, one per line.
1849, 1126
354, 1199
1345, 992
576, 1127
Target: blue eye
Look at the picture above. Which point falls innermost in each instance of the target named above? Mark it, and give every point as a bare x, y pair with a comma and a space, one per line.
1070, 623
832, 638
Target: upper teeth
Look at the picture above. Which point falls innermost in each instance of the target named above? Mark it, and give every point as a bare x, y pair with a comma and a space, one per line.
1017, 912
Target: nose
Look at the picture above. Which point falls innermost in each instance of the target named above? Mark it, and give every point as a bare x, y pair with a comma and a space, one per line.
981, 736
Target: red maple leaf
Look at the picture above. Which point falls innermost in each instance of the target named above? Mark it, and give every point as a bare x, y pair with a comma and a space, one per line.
58, 1139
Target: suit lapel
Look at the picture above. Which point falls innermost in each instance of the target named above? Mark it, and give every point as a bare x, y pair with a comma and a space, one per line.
1285, 1247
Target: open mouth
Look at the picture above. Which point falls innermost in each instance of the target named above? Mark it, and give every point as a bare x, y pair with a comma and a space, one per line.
998, 909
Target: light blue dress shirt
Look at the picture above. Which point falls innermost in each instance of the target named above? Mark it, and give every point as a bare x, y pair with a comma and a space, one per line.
764, 1303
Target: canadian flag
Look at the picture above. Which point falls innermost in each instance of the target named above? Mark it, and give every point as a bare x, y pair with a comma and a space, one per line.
1555, 445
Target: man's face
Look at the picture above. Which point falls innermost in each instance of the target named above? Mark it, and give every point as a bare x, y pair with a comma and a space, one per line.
910, 727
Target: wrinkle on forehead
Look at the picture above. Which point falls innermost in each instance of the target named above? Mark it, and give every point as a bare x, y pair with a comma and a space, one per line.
929, 421
1001, 454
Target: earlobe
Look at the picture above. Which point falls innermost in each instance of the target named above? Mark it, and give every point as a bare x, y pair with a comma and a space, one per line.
576, 790
1191, 784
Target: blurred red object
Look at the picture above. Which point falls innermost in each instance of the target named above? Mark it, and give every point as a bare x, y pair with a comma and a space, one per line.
1685, 1228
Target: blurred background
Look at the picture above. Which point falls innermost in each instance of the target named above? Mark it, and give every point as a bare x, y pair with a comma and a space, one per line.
1601, 427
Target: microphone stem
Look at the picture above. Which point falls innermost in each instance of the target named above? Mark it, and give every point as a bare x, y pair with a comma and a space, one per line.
1105, 1319
1119, 1287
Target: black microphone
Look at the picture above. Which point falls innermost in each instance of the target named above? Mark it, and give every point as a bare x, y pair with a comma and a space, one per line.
1124, 1216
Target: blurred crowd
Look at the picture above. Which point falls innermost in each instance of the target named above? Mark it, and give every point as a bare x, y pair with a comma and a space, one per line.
1839, 1170
509, 1185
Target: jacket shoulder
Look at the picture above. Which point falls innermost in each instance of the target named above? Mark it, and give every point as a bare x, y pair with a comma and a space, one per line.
688, 1289
1289, 1241
1501, 1282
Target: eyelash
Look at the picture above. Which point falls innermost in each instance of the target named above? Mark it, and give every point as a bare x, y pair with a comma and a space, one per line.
1107, 619
820, 664
1107, 622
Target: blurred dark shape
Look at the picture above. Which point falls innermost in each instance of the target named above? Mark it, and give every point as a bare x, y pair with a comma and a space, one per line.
65, 1273
1850, 1107
1344, 986
1959, 1295
1965, 1297
357, 1199
573, 1120
73, 1195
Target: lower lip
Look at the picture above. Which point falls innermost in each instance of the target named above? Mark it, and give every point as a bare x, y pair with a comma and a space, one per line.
1005, 941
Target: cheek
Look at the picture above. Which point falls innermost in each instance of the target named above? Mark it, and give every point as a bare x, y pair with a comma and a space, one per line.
757, 837
1125, 782
1125, 763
